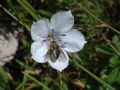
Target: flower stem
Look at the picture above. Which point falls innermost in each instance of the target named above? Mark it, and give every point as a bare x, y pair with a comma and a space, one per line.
39, 83
95, 77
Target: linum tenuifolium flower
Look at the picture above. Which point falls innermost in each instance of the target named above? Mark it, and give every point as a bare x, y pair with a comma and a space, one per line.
54, 38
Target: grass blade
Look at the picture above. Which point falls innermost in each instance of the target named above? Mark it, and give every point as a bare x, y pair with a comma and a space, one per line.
29, 9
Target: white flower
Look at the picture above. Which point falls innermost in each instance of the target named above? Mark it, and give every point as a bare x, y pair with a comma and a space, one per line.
54, 38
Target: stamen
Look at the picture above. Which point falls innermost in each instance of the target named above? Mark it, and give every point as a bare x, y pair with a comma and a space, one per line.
63, 35
44, 40
62, 44
52, 30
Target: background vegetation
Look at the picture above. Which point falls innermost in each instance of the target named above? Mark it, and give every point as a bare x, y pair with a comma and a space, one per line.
96, 67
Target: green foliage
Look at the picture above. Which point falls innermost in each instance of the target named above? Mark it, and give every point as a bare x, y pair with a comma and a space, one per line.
114, 61
4, 83
114, 75
96, 67
116, 42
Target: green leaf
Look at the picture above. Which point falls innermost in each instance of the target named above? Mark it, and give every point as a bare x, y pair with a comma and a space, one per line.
104, 49
95, 77
119, 78
114, 61
117, 45
112, 78
115, 39
116, 42
44, 12
3, 79
29, 9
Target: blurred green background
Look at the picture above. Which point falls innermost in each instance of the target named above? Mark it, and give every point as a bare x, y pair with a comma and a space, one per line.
95, 67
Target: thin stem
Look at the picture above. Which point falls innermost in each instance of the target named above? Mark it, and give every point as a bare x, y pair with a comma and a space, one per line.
27, 8
21, 85
99, 19
110, 44
28, 5
25, 77
39, 83
95, 77
32, 78
25, 25
60, 77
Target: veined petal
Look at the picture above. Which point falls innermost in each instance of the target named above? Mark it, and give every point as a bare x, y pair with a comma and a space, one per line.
39, 51
73, 41
61, 63
62, 21
40, 29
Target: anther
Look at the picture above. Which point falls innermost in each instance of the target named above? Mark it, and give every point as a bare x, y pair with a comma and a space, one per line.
63, 35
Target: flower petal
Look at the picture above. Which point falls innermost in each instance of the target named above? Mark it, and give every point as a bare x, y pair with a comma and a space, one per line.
73, 41
40, 29
62, 21
39, 51
61, 63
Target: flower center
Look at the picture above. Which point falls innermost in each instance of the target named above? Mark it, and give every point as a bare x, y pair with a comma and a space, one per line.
54, 51
50, 37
